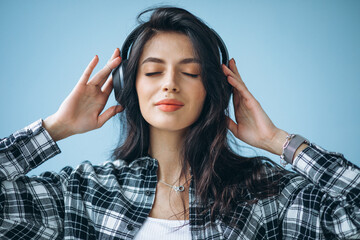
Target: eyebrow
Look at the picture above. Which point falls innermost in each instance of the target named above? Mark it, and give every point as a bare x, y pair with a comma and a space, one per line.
158, 60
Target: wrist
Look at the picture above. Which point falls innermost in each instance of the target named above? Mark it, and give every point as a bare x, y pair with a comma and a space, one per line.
275, 145
56, 130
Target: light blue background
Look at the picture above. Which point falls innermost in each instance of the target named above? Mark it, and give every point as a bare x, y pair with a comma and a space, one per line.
300, 59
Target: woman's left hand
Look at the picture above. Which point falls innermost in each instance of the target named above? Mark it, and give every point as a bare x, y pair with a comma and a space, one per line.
253, 125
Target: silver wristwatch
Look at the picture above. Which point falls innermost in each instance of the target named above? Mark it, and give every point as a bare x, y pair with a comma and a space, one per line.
291, 145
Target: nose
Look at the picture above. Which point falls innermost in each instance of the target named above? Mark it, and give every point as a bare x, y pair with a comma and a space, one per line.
170, 83
169, 89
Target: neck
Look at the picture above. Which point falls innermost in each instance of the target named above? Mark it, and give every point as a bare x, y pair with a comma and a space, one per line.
165, 146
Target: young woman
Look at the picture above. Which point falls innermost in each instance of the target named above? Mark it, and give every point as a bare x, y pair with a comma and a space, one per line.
175, 175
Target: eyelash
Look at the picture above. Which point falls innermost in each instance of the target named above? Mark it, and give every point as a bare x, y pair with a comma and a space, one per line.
150, 74
191, 75
188, 74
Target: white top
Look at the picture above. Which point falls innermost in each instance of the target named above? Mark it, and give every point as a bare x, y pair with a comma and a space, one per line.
158, 229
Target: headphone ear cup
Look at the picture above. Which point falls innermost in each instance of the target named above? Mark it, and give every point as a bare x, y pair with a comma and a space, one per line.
118, 77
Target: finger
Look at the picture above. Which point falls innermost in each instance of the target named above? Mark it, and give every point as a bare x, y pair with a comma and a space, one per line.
101, 76
115, 54
238, 85
101, 83
108, 86
87, 73
233, 67
232, 71
109, 113
232, 126
227, 71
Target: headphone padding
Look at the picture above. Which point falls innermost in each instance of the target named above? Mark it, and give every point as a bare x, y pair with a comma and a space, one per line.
118, 79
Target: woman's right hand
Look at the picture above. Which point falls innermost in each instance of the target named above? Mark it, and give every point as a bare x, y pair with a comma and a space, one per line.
81, 110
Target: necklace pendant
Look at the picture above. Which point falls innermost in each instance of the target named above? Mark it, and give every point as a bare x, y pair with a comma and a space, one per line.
179, 188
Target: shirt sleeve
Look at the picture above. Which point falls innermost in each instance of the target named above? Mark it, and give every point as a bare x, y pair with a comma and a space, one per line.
24, 150
323, 201
30, 207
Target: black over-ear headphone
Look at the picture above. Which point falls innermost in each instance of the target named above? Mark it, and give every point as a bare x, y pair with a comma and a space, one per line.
119, 72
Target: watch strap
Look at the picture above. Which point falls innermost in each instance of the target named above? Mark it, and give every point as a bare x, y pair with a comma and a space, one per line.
293, 145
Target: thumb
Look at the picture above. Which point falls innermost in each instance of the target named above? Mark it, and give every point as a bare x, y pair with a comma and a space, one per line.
109, 113
232, 126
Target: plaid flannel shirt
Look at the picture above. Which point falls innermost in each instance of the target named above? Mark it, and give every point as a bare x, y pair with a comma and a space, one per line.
319, 200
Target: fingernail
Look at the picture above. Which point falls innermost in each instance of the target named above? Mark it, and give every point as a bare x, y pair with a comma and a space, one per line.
234, 60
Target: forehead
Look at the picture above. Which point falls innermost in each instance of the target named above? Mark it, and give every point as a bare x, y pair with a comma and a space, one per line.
168, 45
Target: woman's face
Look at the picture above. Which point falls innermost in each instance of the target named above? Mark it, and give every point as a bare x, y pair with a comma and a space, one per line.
168, 71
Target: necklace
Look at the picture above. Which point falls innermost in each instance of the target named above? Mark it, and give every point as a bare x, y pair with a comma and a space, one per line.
179, 188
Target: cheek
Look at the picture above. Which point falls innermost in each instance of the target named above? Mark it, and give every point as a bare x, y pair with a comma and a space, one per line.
144, 91
198, 95
203, 97
201, 91
141, 93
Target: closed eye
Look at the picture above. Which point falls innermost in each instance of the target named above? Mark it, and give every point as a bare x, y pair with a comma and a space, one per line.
191, 75
151, 74
187, 74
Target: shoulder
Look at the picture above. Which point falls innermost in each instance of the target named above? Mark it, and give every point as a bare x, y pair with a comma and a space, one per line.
117, 169
289, 182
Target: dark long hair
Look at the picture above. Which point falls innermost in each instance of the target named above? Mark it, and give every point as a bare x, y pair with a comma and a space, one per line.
222, 179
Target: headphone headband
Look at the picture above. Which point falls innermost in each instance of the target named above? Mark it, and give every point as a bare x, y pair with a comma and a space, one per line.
222, 46
131, 38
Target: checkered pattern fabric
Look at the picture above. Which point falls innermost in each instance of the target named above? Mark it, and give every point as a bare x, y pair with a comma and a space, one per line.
319, 199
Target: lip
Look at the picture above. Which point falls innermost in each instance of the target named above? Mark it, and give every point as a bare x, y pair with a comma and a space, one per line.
170, 102
169, 105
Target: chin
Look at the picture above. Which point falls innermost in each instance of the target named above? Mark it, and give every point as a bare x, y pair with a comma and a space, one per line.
169, 123
169, 127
